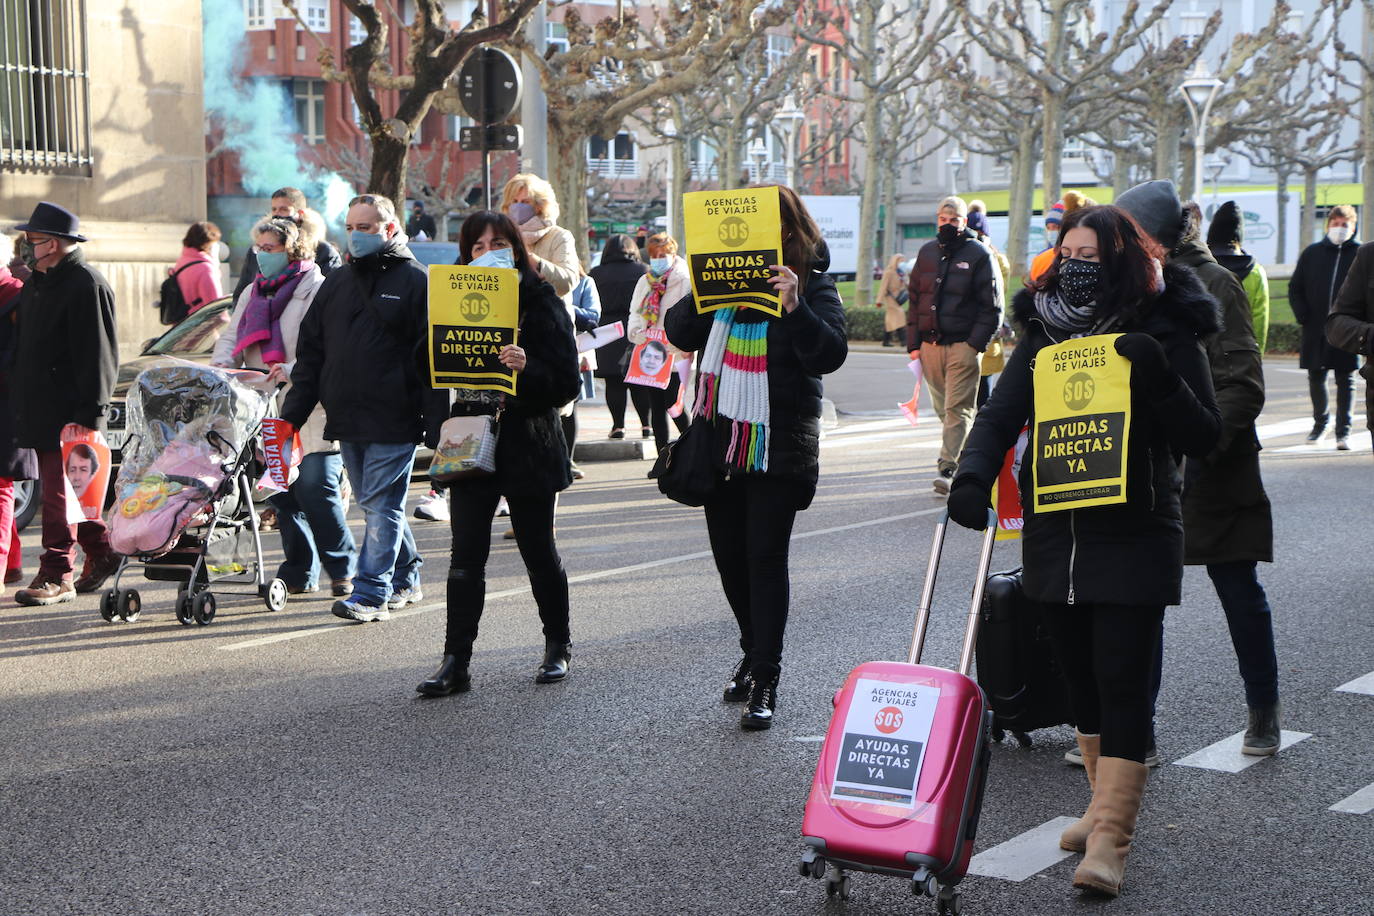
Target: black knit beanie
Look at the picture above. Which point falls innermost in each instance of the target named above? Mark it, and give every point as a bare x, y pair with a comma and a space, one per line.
1226, 227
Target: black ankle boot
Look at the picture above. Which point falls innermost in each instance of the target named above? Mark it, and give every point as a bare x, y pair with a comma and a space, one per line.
737, 689
452, 677
555, 665
763, 696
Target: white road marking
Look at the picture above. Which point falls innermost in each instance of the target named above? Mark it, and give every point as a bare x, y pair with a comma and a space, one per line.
1362, 802
1283, 428
1225, 755
1363, 684
810, 739
319, 629
1023, 856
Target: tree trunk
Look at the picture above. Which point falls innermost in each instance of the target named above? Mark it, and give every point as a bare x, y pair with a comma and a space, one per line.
891, 243
1307, 217
568, 175
728, 157
390, 157
1021, 201
1121, 174
1281, 247
681, 168
1053, 130
1367, 116
872, 116
1166, 147
1186, 180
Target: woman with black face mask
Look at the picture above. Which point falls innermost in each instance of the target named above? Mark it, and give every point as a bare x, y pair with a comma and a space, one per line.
1106, 573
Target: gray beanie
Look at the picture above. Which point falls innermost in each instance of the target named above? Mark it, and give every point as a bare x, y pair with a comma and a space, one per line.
1155, 205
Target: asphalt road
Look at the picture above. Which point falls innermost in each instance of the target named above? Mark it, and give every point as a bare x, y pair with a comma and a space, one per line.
282, 763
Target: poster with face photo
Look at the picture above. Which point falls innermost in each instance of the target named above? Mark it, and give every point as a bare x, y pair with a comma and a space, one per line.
650, 363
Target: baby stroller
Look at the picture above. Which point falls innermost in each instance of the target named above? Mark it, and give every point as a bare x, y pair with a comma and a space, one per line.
183, 508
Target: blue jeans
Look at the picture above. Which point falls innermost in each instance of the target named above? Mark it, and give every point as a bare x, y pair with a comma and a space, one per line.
1252, 629
388, 561
310, 518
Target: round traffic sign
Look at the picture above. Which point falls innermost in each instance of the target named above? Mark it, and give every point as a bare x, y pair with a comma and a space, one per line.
489, 85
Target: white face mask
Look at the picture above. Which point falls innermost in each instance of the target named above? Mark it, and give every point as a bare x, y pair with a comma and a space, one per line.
1339, 235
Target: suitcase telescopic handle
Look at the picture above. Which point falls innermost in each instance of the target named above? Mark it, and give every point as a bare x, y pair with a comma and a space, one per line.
918, 636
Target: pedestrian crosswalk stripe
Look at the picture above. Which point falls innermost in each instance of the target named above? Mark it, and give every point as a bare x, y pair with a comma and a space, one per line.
1025, 855
1362, 802
1225, 755
1363, 684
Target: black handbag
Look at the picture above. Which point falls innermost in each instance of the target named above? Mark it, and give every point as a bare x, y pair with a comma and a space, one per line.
686, 468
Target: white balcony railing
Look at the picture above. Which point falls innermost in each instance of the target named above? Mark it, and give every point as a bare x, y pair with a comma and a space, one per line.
614, 168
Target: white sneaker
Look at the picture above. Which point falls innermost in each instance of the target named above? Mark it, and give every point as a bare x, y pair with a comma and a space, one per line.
433, 508
502, 508
405, 596
1342, 443
359, 612
941, 483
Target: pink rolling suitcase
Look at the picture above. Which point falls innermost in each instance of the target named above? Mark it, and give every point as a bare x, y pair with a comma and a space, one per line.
900, 781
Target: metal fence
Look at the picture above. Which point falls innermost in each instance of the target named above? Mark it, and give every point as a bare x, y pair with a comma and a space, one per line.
44, 86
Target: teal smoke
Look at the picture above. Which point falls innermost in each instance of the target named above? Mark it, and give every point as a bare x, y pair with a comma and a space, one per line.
257, 116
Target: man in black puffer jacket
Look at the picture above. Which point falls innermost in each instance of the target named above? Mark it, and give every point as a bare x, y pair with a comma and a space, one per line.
955, 307
361, 354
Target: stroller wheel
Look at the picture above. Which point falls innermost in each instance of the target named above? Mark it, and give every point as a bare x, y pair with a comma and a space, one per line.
108, 606
273, 595
203, 608
130, 603
183, 607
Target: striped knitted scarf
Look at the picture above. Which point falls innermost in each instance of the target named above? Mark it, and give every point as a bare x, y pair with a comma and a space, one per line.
733, 382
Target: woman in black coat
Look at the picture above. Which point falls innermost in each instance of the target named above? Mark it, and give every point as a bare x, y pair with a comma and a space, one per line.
1317, 278
1106, 573
615, 277
766, 428
532, 463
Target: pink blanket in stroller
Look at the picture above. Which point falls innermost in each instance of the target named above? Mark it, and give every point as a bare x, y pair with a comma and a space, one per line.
152, 512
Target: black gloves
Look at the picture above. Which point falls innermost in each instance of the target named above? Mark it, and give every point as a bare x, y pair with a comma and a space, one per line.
969, 502
1150, 365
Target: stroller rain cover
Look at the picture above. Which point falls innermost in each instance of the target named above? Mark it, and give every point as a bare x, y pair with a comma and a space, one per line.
187, 426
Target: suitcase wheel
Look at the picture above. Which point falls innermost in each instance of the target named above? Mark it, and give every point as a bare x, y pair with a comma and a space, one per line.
837, 883
924, 884
949, 902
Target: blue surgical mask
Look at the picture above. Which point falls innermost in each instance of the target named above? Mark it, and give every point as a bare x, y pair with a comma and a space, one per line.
659, 266
497, 257
271, 263
521, 213
362, 244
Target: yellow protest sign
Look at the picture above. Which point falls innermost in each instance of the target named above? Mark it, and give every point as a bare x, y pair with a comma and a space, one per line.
473, 313
1082, 423
732, 239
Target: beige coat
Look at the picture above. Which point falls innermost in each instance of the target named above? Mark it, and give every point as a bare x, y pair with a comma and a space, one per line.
557, 253
679, 286
312, 434
894, 312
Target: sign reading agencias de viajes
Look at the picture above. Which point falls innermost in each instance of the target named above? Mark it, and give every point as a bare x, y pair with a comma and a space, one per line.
473, 313
733, 238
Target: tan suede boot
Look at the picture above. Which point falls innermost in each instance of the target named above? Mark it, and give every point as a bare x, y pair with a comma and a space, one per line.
1075, 838
1120, 783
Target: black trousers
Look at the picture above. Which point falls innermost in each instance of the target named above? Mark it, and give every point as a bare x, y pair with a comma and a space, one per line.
1107, 652
1345, 397
616, 392
472, 506
660, 399
749, 521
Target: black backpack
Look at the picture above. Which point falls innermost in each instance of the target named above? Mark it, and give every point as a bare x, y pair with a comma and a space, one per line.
171, 304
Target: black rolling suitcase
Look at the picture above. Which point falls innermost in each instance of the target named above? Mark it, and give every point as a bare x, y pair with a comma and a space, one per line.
1017, 667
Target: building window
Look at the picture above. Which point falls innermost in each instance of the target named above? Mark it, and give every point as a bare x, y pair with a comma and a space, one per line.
308, 96
257, 14
617, 158
316, 14
555, 36
44, 86
776, 53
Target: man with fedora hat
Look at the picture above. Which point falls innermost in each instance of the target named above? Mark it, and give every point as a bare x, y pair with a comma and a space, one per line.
64, 371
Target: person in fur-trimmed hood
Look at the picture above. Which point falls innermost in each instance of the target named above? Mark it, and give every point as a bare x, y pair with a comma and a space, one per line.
1106, 573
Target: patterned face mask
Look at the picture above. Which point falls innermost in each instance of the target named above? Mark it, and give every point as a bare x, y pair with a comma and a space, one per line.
1078, 281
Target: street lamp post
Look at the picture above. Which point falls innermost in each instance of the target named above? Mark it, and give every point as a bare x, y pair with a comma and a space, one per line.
1199, 91
789, 118
955, 163
758, 151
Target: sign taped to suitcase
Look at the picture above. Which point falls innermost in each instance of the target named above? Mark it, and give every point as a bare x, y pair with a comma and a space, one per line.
886, 732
